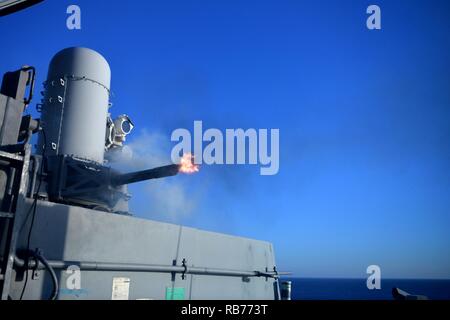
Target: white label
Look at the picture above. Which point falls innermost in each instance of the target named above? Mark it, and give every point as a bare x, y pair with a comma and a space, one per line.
120, 288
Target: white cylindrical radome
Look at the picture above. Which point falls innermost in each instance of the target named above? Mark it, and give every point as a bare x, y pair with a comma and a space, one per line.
75, 104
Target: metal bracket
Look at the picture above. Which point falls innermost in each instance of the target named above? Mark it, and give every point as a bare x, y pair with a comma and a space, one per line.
275, 271
183, 275
36, 273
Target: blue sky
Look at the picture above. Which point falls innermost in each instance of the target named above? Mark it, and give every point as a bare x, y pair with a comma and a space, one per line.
364, 117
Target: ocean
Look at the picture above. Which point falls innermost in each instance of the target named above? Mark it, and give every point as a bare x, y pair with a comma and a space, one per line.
356, 289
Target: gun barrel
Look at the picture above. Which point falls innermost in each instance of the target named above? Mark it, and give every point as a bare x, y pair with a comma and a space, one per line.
155, 173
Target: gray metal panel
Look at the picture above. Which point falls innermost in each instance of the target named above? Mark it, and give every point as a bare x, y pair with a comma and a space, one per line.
223, 251
240, 253
77, 234
10, 118
227, 288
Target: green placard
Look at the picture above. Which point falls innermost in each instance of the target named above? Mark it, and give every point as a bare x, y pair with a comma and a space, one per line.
176, 293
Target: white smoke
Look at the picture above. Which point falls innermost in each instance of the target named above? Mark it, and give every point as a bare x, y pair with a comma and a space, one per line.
145, 151
165, 198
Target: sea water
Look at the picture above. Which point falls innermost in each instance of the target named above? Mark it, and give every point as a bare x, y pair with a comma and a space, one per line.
356, 289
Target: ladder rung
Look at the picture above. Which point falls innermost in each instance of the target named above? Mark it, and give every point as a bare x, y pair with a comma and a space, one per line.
6, 215
11, 156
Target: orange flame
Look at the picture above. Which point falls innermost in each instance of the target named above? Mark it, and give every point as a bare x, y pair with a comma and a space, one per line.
187, 164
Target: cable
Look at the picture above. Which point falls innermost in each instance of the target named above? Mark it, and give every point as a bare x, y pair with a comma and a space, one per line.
44, 261
39, 257
34, 209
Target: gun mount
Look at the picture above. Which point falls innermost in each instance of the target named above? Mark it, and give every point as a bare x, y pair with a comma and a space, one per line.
76, 132
67, 181
89, 184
